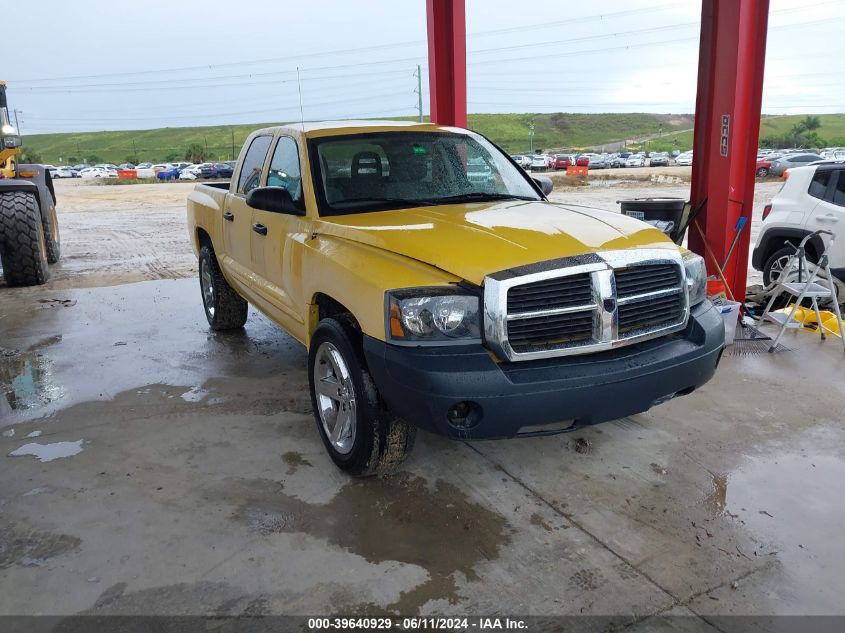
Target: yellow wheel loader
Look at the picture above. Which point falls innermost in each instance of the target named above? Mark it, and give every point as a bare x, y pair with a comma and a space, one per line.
29, 229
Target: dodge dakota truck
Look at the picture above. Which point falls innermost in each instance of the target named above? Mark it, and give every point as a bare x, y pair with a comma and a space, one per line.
434, 285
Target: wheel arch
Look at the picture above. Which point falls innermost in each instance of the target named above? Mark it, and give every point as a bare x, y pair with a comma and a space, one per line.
324, 306
775, 238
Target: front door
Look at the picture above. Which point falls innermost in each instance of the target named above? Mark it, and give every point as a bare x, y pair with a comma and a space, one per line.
274, 244
237, 216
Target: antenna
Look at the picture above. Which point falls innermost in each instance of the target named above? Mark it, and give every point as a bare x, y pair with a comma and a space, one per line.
301, 115
418, 75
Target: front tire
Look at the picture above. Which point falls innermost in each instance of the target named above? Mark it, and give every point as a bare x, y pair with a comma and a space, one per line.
775, 263
224, 308
762, 172
361, 435
23, 247
51, 237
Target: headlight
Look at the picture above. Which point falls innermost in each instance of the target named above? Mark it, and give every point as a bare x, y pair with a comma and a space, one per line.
7, 129
432, 315
696, 278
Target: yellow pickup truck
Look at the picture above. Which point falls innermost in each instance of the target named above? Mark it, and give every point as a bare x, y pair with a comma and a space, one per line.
434, 285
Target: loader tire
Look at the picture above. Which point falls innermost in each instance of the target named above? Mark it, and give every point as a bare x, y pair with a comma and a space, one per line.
23, 246
52, 238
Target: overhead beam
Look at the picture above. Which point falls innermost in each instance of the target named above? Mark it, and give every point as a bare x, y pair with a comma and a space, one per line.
731, 62
447, 61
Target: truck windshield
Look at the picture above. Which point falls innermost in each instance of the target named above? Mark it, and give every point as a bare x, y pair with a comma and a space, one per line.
395, 170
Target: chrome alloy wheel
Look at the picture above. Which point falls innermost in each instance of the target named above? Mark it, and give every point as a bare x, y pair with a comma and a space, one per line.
207, 286
335, 395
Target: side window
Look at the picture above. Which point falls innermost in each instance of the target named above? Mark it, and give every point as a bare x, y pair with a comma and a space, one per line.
839, 190
818, 185
284, 168
250, 175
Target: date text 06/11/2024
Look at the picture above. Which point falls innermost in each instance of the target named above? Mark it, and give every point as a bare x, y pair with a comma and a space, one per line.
418, 624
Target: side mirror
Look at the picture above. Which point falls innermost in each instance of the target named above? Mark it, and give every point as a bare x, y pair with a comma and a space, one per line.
274, 199
545, 184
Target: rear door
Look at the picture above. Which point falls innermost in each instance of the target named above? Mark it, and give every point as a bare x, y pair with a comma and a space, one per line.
829, 213
274, 248
237, 215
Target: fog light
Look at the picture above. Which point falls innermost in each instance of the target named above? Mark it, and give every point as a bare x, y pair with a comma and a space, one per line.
464, 415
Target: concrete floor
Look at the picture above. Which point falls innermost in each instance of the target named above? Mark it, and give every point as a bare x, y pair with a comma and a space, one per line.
180, 472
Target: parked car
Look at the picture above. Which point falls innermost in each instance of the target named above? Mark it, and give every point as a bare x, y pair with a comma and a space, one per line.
599, 161
191, 172
224, 170
616, 160
562, 161
684, 159
107, 166
658, 159
143, 165
170, 173
98, 172
582, 160
79, 167
763, 167
539, 162
635, 160
63, 172
792, 160
126, 166
522, 160
426, 304
812, 198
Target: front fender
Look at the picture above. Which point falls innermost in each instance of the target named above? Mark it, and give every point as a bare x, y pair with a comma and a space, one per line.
357, 275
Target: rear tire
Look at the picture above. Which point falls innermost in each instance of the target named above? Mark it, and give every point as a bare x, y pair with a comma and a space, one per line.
372, 441
23, 247
224, 308
762, 172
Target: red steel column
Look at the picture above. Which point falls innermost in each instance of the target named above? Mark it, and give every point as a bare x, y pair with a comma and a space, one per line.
447, 61
727, 127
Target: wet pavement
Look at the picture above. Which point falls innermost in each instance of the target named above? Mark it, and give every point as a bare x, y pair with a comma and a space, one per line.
152, 466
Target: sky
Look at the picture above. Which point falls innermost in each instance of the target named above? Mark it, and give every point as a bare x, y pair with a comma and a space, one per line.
117, 66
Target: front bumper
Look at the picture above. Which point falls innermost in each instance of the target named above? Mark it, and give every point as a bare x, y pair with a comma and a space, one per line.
421, 384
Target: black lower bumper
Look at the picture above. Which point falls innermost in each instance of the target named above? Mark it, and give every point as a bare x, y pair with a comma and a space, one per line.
508, 399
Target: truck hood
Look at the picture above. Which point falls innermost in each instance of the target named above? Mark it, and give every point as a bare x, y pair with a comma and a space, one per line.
474, 240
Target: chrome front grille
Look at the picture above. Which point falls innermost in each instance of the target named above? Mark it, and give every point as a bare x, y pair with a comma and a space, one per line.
585, 304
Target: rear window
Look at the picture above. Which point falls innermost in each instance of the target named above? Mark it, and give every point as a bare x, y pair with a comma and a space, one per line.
818, 185
839, 190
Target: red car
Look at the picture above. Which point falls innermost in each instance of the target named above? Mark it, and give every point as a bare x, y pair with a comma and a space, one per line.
562, 161
583, 161
763, 168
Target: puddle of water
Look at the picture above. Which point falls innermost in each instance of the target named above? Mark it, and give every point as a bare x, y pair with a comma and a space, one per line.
395, 519
49, 452
26, 378
34, 434
794, 504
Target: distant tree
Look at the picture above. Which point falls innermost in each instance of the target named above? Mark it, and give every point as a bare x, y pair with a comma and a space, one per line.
72, 160
131, 159
171, 157
196, 153
30, 156
811, 122
93, 159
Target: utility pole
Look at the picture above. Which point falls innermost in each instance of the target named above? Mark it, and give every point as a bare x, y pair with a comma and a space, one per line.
17, 125
531, 137
233, 142
419, 91
205, 138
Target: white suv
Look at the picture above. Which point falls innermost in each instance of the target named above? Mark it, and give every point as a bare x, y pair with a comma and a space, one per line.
811, 198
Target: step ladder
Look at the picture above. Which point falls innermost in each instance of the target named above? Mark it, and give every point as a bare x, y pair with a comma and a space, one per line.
807, 286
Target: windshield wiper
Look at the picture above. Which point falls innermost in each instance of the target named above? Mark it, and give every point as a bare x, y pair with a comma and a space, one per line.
399, 201
481, 196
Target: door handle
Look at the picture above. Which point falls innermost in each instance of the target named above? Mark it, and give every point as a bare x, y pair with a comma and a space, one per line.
229, 217
830, 217
260, 229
